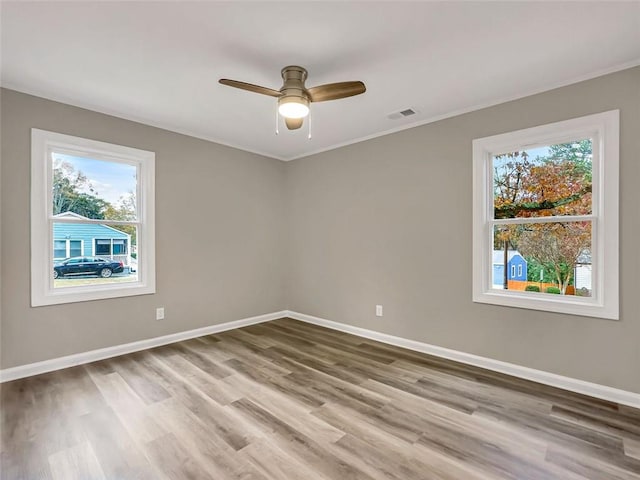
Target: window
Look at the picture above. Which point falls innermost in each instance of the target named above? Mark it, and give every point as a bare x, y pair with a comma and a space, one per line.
67, 248
549, 194
90, 198
513, 271
110, 247
103, 247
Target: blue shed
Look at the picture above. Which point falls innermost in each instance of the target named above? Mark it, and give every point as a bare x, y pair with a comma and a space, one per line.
89, 239
516, 267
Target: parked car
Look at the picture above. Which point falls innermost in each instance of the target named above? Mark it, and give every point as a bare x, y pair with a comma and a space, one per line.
87, 266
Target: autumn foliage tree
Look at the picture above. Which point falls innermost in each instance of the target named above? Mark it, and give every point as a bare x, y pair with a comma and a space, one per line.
557, 184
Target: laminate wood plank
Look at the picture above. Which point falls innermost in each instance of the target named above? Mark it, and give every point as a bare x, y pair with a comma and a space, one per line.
281, 338
563, 437
511, 463
177, 463
212, 386
386, 465
130, 368
379, 442
35, 420
25, 460
280, 383
297, 415
285, 400
605, 422
312, 361
248, 337
477, 391
313, 333
277, 464
503, 434
130, 409
303, 447
205, 447
632, 448
192, 354
333, 389
589, 467
118, 455
222, 421
76, 463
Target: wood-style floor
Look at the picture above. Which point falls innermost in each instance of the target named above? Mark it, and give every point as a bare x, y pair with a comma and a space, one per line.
287, 400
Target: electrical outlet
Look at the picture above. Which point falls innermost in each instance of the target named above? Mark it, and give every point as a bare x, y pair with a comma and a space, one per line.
160, 313
378, 310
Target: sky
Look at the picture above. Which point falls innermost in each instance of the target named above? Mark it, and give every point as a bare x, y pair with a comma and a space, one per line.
110, 180
532, 152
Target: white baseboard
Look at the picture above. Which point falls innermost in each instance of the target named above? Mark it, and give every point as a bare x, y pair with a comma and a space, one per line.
603, 392
37, 368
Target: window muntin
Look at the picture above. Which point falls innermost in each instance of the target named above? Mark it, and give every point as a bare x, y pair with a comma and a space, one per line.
86, 191
550, 191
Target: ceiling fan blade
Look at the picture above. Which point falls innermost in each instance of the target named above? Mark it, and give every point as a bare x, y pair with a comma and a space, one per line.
334, 91
293, 123
250, 87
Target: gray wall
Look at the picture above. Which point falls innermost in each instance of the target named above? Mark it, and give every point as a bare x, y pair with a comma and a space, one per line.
219, 233
388, 221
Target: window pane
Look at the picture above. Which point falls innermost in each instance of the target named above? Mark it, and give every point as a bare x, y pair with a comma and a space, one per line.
59, 249
93, 188
103, 247
543, 181
106, 266
75, 248
119, 247
551, 258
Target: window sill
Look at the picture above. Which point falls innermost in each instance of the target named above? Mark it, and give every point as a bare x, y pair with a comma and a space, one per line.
567, 304
84, 294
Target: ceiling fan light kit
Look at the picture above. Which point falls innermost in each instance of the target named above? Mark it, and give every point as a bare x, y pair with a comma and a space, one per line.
293, 107
294, 97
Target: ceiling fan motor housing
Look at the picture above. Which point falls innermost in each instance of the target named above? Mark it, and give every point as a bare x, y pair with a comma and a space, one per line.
294, 100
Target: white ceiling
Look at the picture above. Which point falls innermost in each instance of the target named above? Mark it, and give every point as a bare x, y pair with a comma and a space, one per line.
159, 62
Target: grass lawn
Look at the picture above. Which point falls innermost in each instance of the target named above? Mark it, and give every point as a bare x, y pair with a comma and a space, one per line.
78, 281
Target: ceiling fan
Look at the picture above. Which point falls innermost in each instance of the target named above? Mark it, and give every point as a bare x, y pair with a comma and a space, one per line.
294, 97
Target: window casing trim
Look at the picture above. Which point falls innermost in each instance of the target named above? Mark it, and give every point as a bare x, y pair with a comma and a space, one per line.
43, 144
604, 129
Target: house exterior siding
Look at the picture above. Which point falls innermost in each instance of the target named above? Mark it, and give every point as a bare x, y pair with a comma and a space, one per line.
516, 267
79, 239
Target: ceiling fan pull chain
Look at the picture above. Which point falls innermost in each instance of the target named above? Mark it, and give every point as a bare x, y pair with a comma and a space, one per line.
277, 131
309, 125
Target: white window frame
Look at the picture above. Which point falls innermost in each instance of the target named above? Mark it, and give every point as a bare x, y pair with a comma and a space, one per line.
43, 144
519, 270
604, 129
